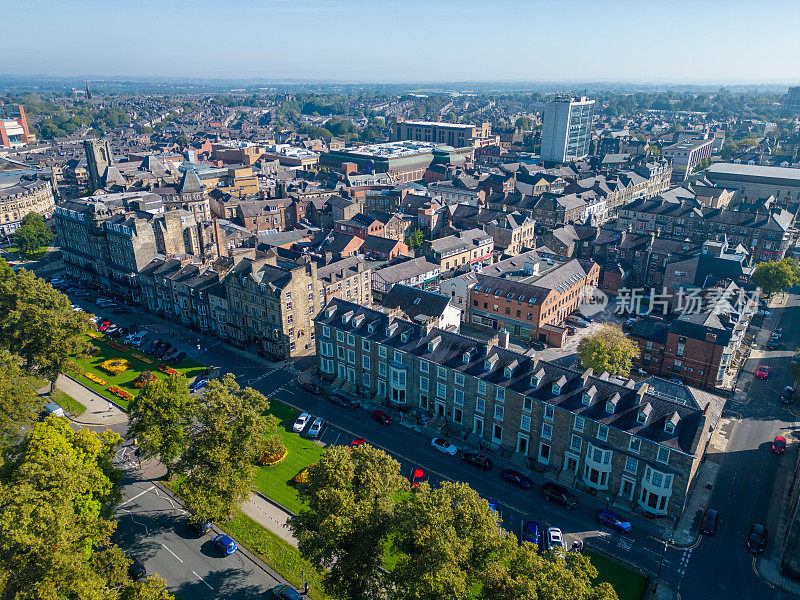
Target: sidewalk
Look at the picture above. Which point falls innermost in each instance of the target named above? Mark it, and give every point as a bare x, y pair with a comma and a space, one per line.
99, 411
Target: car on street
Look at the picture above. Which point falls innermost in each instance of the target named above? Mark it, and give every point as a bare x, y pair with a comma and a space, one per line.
560, 495
316, 428
777, 332
225, 544
773, 344
762, 372
478, 460
199, 528
122, 310
709, 523
311, 388
494, 506
381, 417
757, 538
198, 385
136, 570
763, 313
104, 325
555, 539
778, 445
787, 395
179, 357
359, 441
286, 592
442, 445
301, 422
536, 345
417, 476
516, 478
796, 359
613, 520
170, 355
530, 532
341, 401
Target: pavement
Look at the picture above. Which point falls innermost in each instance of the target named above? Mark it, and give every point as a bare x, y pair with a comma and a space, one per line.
99, 410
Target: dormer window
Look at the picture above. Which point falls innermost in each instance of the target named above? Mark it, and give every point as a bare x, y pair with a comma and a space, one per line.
559, 385
509, 369
537, 378
489, 363
405, 335
434, 343
390, 329
330, 311
346, 317
644, 413
466, 357
371, 328
588, 396
358, 320
672, 423
611, 403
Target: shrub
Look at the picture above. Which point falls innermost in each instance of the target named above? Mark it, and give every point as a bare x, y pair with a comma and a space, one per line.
274, 451
144, 378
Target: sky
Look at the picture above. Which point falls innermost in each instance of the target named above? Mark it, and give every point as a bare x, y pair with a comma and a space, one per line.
753, 41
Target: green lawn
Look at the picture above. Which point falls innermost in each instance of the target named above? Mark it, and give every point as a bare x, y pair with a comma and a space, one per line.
275, 482
125, 379
68, 403
629, 584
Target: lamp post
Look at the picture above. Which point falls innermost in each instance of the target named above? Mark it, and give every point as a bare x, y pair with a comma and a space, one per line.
667, 543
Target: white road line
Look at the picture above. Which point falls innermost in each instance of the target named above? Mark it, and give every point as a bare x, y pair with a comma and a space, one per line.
136, 496
203, 580
171, 552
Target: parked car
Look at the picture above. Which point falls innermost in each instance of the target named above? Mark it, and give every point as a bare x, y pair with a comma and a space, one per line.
152, 346
763, 313
285, 592
536, 345
614, 521
199, 528
179, 357
787, 395
359, 441
136, 570
757, 538
762, 372
442, 445
555, 539
316, 428
112, 330
119, 333
301, 422
381, 417
341, 401
709, 523
773, 344
104, 325
478, 460
311, 388
417, 476
530, 532
577, 321
778, 445
51, 408
137, 339
560, 495
494, 506
516, 478
777, 332
198, 384
225, 544
170, 355
163, 349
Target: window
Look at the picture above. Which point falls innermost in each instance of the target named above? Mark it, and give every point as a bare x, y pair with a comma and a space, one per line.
340, 336
423, 384
579, 423
481, 387
525, 423
500, 394
441, 390
351, 357
382, 351
480, 405
527, 404
547, 431
441, 372
602, 432
423, 366
634, 444
631, 464
351, 339
326, 331
497, 433
458, 397
339, 352
365, 362
498, 412
398, 356
459, 379
366, 379
549, 411
365, 345
382, 369
576, 443
662, 455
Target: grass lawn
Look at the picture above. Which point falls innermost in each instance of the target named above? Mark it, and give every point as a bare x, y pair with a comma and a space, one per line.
125, 379
279, 555
629, 584
68, 403
276, 481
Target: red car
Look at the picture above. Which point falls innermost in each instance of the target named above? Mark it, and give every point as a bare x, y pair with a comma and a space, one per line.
359, 441
381, 417
779, 445
105, 325
762, 372
417, 476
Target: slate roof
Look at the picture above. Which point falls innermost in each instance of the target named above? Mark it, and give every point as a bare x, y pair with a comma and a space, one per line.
414, 302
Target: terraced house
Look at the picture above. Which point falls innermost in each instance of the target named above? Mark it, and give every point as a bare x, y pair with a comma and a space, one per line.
638, 446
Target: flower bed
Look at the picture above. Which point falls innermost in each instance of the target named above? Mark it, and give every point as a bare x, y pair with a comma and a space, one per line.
115, 366
95, 378
167, 370
144, 378
302, 476
120, 393
273, 459
116, 346
144, 359
95, 334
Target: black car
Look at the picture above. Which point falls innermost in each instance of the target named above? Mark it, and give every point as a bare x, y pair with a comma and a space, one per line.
560, 495
152, 346
757, 538
199, 528
787, 395
538, 345
137, 570
166, 347
180, 356
709, 524
311, 388
478, 460
516, 478
120, 333
341, 401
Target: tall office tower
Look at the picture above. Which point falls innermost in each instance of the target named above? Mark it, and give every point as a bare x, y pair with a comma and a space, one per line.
793, 99
567, 129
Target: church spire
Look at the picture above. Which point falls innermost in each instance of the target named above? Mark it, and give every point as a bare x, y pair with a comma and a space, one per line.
88, 92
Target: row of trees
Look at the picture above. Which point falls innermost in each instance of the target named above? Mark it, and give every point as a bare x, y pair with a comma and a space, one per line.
380, 541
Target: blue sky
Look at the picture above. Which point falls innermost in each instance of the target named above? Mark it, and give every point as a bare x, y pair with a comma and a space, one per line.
410, 40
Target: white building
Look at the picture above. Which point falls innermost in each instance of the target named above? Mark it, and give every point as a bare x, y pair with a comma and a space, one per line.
567, 129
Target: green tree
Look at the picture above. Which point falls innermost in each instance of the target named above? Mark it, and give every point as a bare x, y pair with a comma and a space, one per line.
229, 433
415, 239
19, 403
160, 417
776, 275
609, 349
447, 538
32, 234
351, 496
525, 123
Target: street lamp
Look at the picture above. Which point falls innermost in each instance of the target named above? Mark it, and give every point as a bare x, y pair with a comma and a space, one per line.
667, 543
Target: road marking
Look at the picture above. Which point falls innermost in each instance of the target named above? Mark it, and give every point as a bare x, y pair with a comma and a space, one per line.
136, 496
171, 552
203, 580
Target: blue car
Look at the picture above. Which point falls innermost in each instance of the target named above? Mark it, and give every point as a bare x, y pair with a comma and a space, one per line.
531, 532
225, 544
517, 479
495, 506
614, 521
198, 385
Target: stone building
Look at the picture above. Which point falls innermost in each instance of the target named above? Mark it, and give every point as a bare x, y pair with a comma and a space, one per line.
18, 200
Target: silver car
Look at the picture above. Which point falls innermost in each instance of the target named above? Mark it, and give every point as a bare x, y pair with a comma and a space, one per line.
316, 427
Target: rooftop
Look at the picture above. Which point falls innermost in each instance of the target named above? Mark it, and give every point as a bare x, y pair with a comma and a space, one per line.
391, 149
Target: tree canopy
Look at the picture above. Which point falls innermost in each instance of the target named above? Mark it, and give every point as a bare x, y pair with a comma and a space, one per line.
609, 349
32, 235
776, 275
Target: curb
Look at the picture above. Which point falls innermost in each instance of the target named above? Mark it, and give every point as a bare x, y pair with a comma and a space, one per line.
109, 401
275, 504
